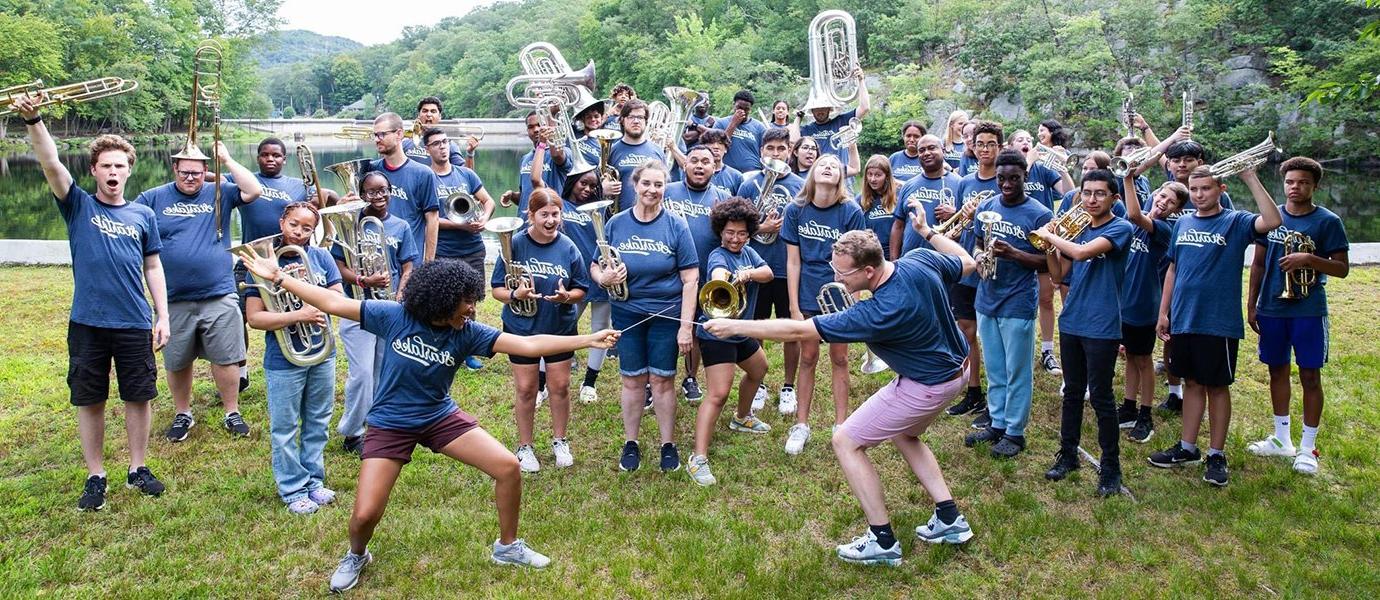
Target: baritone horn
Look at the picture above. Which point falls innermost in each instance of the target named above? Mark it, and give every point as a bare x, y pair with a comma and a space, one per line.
721, 297
1297, 283
833, 51
302, 344
306, 162
364, 242
609, 257
516, 274
72, 93
767, 204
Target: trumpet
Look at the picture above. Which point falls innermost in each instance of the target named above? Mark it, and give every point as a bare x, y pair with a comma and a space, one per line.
363, 241
461, 207
1297, 283
516, 275
1247, 159
833, 47
767, 204
1123, 165
71, 93
1128, 114
1055, 158
961, 219
1067, 226
834, 297
356, 133
609, 258
986, 258
302, 344
847, 135
721, 297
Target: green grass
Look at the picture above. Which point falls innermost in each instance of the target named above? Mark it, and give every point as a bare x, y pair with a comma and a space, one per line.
767, 530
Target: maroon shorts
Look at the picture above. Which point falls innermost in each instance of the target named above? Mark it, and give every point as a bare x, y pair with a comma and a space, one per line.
398, 444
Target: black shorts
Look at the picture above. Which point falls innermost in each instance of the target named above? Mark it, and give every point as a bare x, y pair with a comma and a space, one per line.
1139, 340
1206, 359
772, 295
717, 352
527, 360
961, 301
89, 352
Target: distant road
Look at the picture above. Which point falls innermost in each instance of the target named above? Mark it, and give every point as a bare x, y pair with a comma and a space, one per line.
498, 133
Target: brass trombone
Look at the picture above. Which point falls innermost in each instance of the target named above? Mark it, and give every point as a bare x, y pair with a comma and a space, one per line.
355, 133
71, 93
206, 91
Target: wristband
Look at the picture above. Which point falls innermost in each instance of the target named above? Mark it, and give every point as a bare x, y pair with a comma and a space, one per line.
929, 235
34, 121
542, 146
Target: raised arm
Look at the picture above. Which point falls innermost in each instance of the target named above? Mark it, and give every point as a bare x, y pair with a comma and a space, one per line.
1269, 217
864, 100
1133, 212
59, 179
250, 189
941, 243
327, 300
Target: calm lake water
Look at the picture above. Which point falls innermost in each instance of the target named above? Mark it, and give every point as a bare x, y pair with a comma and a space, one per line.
31, 214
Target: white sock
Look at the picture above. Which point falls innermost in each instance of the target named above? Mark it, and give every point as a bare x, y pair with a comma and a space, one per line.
244, 371
1177, 390
1282, 430
1309, 440
1046, 346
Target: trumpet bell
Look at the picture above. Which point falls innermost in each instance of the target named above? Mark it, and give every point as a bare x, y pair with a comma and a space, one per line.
720, 299
462, 208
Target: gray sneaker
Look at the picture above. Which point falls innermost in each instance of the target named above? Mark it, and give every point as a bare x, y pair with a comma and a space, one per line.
698, 468
864, 550
346, 575
517, 553
937, 531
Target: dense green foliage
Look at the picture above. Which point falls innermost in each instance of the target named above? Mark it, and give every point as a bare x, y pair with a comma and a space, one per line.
277, 48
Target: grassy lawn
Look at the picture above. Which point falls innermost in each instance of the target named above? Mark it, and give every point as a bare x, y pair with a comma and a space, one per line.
767, 530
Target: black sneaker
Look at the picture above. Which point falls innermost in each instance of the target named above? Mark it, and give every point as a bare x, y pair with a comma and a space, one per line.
93, 495
181, 426
244, 384
1049, 363
983, 420
1216, 472
1064, 463
1008, 446
691, 389
1143, 430
985, 435
670, 458
354, 444
1172, 403
632, 457
234, 423
144, 481
969, 403
1109, 483
1126, 415
1175, 456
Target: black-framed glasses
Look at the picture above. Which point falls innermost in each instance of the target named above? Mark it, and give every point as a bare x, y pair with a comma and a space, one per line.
376, 193
378, 135
438, 143
190, 174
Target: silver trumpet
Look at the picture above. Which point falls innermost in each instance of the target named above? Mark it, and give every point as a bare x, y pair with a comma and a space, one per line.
364, 242
986, 259
302, 344
516, 275
609, 259
848, 135
1247, 159
1123, 165
1187, 102
1055, 158
767, 204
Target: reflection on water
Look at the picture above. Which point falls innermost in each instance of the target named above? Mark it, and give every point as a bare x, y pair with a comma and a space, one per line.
30, 213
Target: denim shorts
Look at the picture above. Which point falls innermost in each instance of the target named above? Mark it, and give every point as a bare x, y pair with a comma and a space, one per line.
649, 347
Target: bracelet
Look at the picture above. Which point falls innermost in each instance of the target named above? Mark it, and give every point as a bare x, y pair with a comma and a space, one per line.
34, 121
929, 235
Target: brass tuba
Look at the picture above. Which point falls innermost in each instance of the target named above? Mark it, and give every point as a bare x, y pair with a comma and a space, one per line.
517, 275
206, 92
986, 259
833, 51
609, 258
721, 297
834, 297
766, 204
71, 93
528, 90
1298, 281
1247, 159
660, 122
302, 344
683, 101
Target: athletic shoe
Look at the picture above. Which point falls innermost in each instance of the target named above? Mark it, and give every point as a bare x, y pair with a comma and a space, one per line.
1175, 456
1109, 483
542, 395
143, 480
517, 553
796, 438
1050, 364
691, 389
936, 531
1143, 430
864, 550
93, 494
561, 448
632, 457
969, 403
234, 423
347, 574
986, 434
1172, 403
181, 426
472, 363
1126, 416
749, 424
527, 459
303, 506
588, 394
354, 444
759, 399
321, 496
1064, 463
785, 401
1008, 447
982, 419
244, 384
698, 468
1272, 446
670, 458
1216, 471
1306, 462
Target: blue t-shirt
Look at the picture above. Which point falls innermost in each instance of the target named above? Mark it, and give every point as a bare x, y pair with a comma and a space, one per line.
782, 193
822, 133
260, 217
972, 187
1074, 198
418, 152
1095, 286
196, 265
1325, 229
1039, 184
579, 227
324, 274
694, 207
814, 230
551, 175
455, 243
722, 258
626, 158
412, 194
418, 364
899, 322
397, 244
1140, 298
957, 157
904, 166
1012, 292
728, 178
966, 165
879, 220
557, 262
745, 149
930, 193
654, 252
108, 246
1207, 253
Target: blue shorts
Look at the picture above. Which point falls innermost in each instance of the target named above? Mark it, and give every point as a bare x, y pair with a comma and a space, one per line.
1306, 336
649, 347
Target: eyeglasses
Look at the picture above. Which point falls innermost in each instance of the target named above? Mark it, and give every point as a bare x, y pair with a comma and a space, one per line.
983, 145
438, 143
376, 193
838, 273
634, 118
1097, 193
378, 135
190, 174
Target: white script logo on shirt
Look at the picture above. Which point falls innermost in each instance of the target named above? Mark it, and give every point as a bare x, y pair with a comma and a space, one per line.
187, 209
113, 228
1198, 239
425, 354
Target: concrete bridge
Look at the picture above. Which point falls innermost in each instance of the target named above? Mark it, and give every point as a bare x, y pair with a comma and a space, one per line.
498, 133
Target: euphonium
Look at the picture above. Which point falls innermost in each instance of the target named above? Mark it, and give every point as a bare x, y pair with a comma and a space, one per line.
516, 275
721, 297
206, 92
1123, 165
834, 297
986, 258
833, 51
1067, 226
767, 204
71, 93
609, 258
350, 173
848, 135
302, 344
461, 207
660, 124
1297, 283
363, 241
306, 162
1247, 159
683, 101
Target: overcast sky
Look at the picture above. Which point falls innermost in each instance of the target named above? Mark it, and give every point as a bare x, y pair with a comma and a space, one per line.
369, 22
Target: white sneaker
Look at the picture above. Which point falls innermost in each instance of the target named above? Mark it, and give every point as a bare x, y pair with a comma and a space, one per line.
1306, 462
864, 550
517, 553
786, 401
760, 399
1272, 446
541, 396
527, 459
588, 395
698, 468
346, 575
795, 440
561, 448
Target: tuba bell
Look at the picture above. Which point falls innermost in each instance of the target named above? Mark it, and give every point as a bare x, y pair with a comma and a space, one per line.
721, 297
516, 274
302, 344
609, 257
833, 51
1297, 283
766, 204
834, 297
